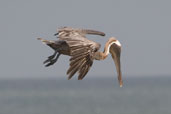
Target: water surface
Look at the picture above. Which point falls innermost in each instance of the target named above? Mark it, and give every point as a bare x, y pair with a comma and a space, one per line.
149, 95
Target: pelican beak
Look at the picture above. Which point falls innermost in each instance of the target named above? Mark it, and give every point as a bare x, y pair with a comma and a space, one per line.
115, 51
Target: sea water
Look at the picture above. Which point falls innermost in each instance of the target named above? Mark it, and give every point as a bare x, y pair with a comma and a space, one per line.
145, 95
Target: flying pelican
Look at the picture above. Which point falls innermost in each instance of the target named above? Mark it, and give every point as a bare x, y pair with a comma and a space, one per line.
72, 42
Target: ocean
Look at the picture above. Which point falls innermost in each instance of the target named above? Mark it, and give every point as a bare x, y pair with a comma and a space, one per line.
144, 95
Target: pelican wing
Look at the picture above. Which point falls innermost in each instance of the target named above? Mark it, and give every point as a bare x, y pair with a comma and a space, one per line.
115, 51
81, 57
81, 49
68, 32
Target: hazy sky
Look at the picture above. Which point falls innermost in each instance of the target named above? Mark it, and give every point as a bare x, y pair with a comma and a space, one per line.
142, 26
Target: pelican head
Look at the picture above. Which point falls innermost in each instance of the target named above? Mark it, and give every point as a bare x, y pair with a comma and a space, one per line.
114, 48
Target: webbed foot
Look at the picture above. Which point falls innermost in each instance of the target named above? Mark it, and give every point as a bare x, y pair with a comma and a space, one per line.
50, 60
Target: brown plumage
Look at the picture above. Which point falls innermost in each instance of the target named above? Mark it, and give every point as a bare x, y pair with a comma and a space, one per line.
72, 42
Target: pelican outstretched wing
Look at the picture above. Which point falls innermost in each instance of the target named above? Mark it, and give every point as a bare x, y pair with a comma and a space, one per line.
76, 33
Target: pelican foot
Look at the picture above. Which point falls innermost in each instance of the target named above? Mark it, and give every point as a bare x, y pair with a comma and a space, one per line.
51, 61
50, 57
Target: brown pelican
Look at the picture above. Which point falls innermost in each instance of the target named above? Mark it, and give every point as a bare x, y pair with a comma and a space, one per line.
73, 42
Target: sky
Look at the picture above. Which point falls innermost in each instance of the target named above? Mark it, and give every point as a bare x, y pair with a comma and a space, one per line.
142, 26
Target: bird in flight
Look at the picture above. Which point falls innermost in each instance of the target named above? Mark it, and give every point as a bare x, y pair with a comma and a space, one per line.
73, 42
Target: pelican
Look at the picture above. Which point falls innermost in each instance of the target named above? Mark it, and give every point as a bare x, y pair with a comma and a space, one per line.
73, 42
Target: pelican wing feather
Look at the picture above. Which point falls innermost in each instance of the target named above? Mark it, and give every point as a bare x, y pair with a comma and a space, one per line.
81, 60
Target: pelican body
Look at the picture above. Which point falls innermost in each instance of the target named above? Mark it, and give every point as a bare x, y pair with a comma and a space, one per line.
73, 42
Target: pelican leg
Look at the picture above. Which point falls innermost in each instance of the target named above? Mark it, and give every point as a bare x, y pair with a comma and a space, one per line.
50, 57
52, 61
